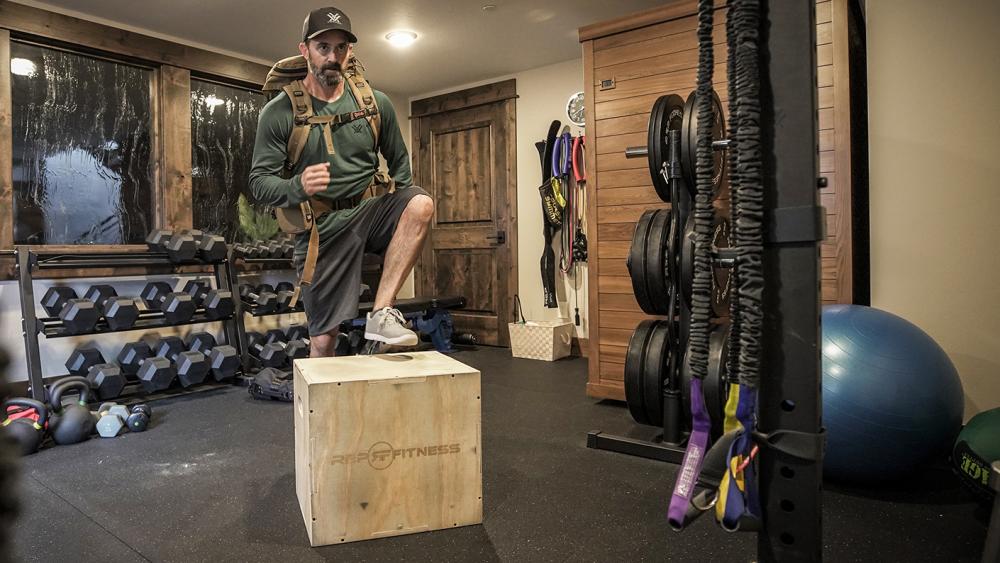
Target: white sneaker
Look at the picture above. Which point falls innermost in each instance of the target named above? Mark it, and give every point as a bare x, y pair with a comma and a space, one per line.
388, 326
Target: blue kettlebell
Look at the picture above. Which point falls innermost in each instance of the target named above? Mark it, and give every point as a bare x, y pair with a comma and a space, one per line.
26, 431
73, 423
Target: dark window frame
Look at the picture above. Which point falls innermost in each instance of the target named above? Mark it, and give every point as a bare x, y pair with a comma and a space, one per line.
173, 65
58, 46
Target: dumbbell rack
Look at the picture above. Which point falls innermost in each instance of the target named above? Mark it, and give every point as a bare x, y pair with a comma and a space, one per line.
29, 261
243, 308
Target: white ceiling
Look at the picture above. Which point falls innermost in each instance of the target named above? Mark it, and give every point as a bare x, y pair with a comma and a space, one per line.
459, 42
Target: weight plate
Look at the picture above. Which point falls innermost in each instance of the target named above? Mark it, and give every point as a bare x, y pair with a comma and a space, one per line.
721, 286
689, 144
656, 263
667, 114
656, 365
636, 261
634, 362
721, 277
716, 383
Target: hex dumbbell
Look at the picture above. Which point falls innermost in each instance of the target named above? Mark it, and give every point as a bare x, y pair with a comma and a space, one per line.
297, 342
262, 297
105, 378
77, 315
286, 293
267, 251
280, 249
248, 251
223, 360
268, 355
131, 356
176, 307
156, 373
138, 360
191, 367
211, 248
294, 350
179, 246
119, 312
217, 303
111, 419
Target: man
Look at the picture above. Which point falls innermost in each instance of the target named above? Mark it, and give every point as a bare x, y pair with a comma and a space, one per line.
393, 225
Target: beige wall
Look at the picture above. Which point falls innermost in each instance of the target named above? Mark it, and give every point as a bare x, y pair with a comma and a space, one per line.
402, 107
934, 127
542, 95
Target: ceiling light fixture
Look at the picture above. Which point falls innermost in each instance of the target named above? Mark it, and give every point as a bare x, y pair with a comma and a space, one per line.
23, 67
401, 38
489, 7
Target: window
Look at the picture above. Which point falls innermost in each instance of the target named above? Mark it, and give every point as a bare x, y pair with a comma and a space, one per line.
81, 148
223, 127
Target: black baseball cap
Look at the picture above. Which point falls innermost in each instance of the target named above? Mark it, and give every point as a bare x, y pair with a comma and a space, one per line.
326, 19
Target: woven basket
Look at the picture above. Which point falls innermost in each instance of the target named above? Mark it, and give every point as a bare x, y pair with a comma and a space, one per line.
539, 340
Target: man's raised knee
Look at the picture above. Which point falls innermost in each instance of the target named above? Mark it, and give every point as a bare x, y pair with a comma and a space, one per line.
422, 207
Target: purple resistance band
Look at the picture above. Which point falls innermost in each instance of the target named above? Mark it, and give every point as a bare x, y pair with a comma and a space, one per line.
694, 456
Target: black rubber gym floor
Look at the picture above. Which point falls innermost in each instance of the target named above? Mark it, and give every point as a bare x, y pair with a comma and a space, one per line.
213, 480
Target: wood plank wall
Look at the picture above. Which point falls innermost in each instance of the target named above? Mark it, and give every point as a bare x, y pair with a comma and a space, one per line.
648, 56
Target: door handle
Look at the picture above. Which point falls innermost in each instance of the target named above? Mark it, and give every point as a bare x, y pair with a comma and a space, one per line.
499, 238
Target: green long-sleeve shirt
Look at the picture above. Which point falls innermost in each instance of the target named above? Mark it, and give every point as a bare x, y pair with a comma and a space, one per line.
351, 167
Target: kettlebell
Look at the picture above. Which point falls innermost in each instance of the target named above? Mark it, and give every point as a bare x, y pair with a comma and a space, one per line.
73, 423
26, 431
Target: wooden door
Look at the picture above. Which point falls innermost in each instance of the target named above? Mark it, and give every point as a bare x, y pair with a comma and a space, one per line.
464, 156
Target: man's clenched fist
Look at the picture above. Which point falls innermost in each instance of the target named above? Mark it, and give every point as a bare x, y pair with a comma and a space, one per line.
315, 178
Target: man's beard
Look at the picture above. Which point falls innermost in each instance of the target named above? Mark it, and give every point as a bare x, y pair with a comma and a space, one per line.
328, 76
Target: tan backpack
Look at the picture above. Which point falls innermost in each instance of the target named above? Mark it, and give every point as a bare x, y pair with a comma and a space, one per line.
287, 75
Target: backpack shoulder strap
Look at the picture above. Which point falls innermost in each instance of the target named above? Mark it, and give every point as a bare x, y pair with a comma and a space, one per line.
302, 111
365, 97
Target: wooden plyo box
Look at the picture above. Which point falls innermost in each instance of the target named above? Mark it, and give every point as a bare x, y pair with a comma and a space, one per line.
386, 445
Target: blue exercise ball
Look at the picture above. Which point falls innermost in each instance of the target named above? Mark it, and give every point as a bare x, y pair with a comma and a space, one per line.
891, 396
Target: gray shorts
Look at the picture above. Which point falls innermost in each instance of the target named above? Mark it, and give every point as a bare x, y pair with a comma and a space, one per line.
336, 287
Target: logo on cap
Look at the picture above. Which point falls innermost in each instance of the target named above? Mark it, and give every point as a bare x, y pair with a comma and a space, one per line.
333, 18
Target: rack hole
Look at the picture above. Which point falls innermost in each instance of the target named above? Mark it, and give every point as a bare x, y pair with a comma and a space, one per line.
787, 472
788, 405
787, 539
787, 505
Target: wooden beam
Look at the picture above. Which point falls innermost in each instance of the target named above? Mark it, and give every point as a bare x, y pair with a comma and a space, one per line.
842, 157
6, 146
174, 182
593, 267
510, 114
477, 96
660, 14
74, 31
